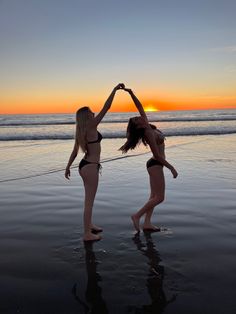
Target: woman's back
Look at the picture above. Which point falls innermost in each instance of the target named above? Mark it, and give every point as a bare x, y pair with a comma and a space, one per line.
93, 145
160, 141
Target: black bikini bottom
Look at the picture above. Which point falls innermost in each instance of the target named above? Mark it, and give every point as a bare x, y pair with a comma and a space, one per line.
153, 162
85, 162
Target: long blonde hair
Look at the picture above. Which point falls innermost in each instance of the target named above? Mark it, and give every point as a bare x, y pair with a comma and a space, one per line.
81, 128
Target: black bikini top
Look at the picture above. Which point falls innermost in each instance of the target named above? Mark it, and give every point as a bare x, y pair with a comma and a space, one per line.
98, 140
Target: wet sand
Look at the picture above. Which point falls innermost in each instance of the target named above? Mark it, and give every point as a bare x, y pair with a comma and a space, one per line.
188, 267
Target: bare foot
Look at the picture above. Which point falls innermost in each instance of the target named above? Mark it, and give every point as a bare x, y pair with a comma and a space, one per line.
135, 222
91, 237
151, 228
95, 228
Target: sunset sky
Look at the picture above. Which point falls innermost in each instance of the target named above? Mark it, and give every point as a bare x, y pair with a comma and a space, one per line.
58, 55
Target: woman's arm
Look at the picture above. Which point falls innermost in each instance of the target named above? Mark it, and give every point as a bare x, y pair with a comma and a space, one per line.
107, 104
70, 161
152, 143
137, 104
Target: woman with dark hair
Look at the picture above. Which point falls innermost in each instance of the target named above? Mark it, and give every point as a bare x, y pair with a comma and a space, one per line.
88, 139
139, 130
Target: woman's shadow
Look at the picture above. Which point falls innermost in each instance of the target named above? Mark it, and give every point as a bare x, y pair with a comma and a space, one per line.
155, 276
94, 301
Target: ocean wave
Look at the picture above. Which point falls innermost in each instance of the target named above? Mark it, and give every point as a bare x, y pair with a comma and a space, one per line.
117, 135
6, 123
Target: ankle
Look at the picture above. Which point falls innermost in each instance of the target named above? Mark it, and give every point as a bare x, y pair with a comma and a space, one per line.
87, 233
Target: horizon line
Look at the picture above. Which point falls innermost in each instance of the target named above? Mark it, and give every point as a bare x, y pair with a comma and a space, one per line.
158, 110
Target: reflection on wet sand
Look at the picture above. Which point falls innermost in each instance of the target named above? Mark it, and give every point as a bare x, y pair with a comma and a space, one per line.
93, 295
155, 276
93, 301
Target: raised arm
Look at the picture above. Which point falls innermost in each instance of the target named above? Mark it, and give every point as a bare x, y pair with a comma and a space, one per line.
152, 143
137, 104
107, 104
71, 159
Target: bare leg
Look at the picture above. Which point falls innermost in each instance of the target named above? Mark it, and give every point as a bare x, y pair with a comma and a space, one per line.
147, 225
149, 213
157, 185
90, 177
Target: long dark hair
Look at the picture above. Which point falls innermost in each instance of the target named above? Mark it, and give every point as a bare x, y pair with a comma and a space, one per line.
134, 135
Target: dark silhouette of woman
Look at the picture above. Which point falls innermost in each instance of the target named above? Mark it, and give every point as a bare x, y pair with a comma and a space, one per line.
139, 130
88, 139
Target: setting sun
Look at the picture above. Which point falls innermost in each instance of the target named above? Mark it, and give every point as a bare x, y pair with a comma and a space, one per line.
150, 108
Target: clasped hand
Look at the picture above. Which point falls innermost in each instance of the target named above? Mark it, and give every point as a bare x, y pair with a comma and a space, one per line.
122, 86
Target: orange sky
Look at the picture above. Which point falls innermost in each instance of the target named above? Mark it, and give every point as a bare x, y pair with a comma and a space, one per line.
124, 107
68, 101
59, 104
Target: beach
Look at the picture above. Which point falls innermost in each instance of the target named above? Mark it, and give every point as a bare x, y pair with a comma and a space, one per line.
81, 74
188, 267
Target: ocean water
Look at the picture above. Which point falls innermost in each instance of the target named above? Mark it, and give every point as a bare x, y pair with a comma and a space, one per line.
36, 145
172, 123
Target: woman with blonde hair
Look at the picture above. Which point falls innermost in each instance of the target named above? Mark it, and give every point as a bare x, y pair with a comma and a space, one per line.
88, 139
139, 130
